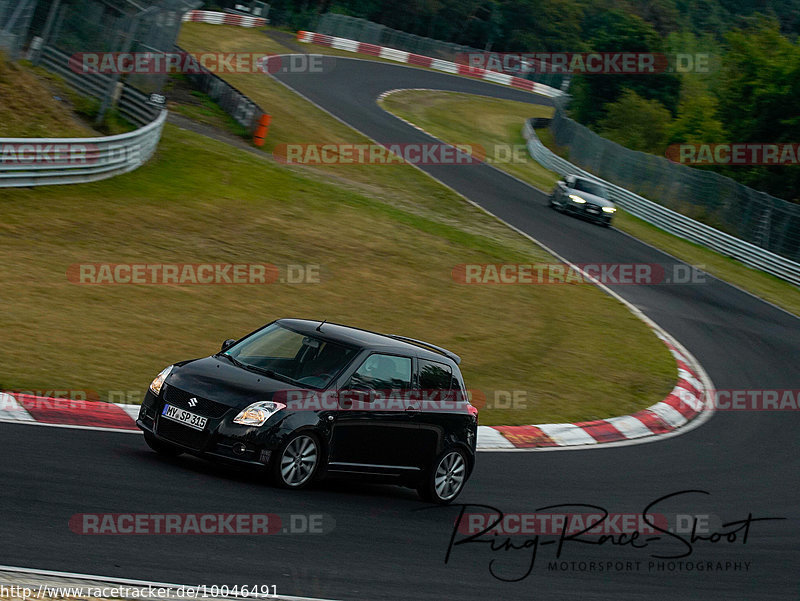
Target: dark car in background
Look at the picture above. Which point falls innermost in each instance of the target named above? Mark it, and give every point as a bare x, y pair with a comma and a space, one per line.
584, 197
305, 399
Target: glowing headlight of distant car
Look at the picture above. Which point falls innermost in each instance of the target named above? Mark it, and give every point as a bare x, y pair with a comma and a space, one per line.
158, 382
258, 413
609, 210
576, 198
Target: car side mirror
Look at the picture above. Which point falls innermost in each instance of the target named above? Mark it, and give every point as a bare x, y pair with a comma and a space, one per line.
561, 183
228, 343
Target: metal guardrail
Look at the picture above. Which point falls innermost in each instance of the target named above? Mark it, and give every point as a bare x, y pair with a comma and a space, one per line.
243, 110
132, 103
353, 28
721, 202
667, 219
47, 161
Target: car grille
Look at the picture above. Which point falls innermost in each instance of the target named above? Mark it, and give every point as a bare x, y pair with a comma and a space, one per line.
205, 407
592, 207
188, 437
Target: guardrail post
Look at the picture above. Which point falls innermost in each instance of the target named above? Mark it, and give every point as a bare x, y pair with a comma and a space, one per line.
48, 28
108, 96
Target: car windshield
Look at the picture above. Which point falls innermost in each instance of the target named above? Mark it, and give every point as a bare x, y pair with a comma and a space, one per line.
291, 356
590, 188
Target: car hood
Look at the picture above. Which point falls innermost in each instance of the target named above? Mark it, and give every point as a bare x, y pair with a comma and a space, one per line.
221, 381
598, 200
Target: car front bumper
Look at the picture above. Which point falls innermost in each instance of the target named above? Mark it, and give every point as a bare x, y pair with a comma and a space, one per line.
221, 439
588, 212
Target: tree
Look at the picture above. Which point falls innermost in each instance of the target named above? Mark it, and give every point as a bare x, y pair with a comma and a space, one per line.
697, 121
759, 91
616, 31
636, 123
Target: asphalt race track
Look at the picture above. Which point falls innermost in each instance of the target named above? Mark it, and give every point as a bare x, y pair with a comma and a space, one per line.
388, 545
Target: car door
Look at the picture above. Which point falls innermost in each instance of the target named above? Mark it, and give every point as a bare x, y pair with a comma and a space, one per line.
443, 415
372, 430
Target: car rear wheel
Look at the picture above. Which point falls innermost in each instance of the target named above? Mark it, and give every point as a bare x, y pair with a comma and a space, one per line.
297, 462
445, 481
161, 447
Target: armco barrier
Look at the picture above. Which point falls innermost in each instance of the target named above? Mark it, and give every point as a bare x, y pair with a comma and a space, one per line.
48, 161
669, 220
132, 103
217, 18
243, 110
402, 56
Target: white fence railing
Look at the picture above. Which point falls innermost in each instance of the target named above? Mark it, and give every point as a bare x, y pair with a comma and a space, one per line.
48, 161
669, 220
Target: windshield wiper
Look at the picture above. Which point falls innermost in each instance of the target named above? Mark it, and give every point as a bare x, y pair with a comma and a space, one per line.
233, 360
266, 372
259, 370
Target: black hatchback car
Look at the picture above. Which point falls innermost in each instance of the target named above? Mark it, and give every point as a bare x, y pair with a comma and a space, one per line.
308, 398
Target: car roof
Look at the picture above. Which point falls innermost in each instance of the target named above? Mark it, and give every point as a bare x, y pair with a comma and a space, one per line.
366, 339
586, 179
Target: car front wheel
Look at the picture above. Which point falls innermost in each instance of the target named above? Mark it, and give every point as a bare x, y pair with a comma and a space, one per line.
297, 462
445, 481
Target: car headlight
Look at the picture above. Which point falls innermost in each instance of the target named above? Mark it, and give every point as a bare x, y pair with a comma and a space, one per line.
576, 198
258, 413
609, 210
158, 382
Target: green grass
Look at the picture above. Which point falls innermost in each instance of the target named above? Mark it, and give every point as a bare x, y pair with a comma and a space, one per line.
444, 115
386, 238
500, 130
84, 108
28, 108
205, 110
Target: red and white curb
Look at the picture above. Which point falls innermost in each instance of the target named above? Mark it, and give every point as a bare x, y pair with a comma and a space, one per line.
401, 56
72, 413
689, 399
217, 18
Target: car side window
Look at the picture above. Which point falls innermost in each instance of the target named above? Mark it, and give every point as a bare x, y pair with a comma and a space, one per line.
434, 376
384, 372
436, 380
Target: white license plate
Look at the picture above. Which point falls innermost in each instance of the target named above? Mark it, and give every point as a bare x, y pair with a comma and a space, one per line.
198, 422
